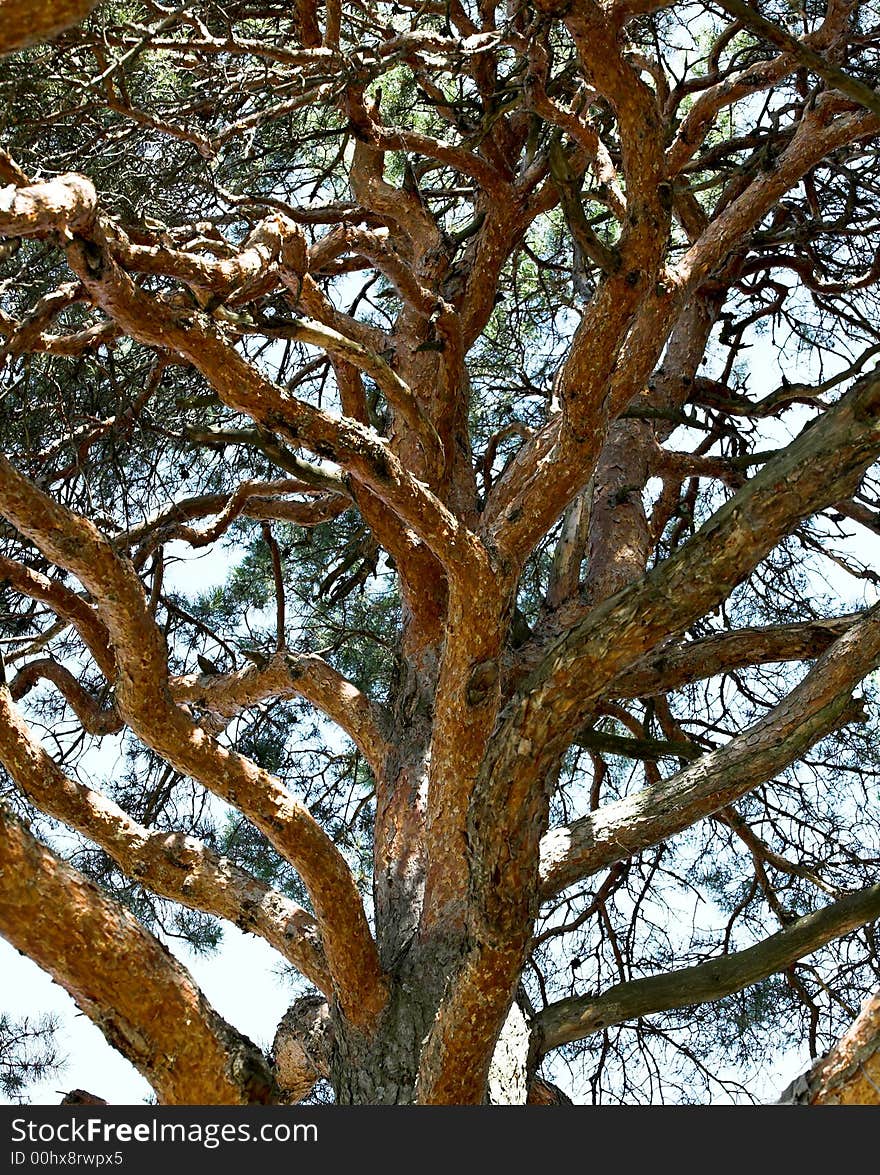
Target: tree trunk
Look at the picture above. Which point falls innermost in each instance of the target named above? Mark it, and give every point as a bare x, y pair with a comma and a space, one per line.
381, 1068
399, 867
508, 1072
384, 1070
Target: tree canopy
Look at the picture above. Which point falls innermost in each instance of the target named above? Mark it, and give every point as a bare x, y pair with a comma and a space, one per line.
511, 368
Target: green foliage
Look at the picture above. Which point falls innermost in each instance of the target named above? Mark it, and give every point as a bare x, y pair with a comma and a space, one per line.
28, 1054
194, 150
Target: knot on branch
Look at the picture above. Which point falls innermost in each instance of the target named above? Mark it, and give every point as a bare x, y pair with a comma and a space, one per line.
301, 1048
481, 683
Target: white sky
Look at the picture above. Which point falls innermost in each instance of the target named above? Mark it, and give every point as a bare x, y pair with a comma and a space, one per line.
240, 980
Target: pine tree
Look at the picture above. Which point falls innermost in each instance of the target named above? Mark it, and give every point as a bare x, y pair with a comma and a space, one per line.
436, 505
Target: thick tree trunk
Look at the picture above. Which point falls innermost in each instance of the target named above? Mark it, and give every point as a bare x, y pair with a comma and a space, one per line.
399, 866
383, 1070
315, 1041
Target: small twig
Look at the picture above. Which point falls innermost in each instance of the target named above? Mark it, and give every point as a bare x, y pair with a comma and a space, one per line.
280, 640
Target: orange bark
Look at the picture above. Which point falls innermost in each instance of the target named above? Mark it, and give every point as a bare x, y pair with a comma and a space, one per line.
850, 1074
92, 946
25, 22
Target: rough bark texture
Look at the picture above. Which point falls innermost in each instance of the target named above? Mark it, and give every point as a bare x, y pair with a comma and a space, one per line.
848, 1075
564, 246
91, 946
25, 22
301, 1048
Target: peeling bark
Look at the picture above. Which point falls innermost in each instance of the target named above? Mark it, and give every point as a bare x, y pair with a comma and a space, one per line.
23, 22
848, 1075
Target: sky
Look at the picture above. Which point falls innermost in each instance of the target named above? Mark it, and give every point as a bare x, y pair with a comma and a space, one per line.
242, 980
239, 980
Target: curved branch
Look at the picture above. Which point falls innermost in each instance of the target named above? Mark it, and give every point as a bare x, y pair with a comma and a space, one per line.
672, 667
509, 804
173, 865
759, 76
92, 947
252, 500
827, 70
818, 705
807, 475
248, 500
65, 203
71, 201
144, 700
287, 675
250, 268
397, 392
199, 340
93, 718
817, 135
65, 604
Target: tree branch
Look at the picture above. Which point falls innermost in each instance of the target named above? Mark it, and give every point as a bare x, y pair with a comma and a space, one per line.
60, 205
815, 707
509, 804
807, 475
173, 865
831, 73
679, 664
580, 1016
754, 78
649, 749
198, 339
92, 716
65, 604
287, 675
71, 201
140, 997
143, 699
